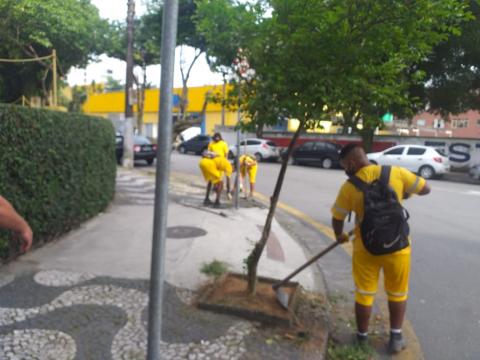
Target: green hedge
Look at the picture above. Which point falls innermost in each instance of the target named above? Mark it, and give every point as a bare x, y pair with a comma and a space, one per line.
57, 169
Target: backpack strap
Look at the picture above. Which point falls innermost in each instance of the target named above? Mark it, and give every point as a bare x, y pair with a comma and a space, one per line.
358, 183
385, 174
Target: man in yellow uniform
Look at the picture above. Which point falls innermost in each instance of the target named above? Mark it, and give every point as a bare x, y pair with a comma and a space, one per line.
220, 148
248, 165
213, 167
365, 265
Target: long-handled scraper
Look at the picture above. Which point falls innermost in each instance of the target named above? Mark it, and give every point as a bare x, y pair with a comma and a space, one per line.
284, 298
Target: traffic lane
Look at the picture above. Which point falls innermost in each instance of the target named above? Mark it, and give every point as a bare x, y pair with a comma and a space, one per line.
443, 306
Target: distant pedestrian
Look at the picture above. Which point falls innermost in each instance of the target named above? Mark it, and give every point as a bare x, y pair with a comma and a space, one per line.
213, 168
248, 166
218, 146
11, 220
381, 242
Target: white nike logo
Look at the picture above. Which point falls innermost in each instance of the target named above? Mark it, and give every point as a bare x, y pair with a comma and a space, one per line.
387, 246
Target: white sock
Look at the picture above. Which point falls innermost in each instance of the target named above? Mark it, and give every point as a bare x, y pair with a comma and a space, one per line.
396, 331
362, 334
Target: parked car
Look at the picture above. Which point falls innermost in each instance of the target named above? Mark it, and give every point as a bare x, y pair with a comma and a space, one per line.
323, 153
196, 144
261, 148
143, 149
475, 172
426, 161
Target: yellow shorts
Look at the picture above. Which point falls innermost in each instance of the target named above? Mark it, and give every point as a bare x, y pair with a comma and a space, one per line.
209, 171
252, 173
366, 271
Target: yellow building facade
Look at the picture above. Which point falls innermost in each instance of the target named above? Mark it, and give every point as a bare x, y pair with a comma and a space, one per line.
112, 105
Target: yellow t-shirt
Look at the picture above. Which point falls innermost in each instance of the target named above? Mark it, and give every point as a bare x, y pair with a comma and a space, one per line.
350, 199
220, 148
223, 164
248, 161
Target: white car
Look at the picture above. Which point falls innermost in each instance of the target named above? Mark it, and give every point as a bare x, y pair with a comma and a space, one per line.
426, 161
261, 148
475, 172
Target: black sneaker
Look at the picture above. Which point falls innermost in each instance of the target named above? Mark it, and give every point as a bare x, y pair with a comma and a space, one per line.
217, 205
396, 343
362, 340
207, 202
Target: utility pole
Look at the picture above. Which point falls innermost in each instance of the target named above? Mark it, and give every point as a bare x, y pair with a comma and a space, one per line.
165, 125
128, 128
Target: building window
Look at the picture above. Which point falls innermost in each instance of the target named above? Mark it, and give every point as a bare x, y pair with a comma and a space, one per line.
421, 122
438, 124
459, 123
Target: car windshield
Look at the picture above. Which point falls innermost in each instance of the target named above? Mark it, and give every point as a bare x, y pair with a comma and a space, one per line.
141, 140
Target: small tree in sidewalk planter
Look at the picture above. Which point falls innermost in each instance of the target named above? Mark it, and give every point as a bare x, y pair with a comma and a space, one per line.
314, 58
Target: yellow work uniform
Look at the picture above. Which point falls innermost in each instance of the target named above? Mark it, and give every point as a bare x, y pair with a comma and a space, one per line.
248, 164
220, 148
213, 169
365, 266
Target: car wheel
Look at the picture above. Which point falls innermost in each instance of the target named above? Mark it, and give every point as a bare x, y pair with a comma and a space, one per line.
150, 161
259, 157
182, 150
230, 154
327, 163
373, 162
427, 172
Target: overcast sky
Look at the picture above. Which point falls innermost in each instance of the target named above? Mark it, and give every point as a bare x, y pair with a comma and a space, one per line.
98, 71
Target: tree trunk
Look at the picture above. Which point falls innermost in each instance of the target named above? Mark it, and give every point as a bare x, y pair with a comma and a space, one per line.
254, 256
367, 138
141, 100
259, 131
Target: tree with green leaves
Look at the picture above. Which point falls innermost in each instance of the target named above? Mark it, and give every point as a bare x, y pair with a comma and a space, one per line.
452, 72
32, 29
146, 51
317, 57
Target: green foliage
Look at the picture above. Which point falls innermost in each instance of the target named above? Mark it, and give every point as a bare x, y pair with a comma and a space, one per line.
57, 169
452, 74
214, 268
350, 353
32, 28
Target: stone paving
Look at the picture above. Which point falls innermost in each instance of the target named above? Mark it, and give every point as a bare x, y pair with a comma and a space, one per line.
59, 314
79, 316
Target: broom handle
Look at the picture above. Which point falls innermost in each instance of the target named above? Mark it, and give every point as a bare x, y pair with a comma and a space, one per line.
309, 262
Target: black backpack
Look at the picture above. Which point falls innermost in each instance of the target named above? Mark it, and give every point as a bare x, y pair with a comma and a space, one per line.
384, 226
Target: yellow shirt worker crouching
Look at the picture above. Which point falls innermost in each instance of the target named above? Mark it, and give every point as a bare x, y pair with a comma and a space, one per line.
212, 171
248, 164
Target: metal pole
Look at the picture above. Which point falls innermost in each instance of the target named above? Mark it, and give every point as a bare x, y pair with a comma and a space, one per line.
54, 78
237, 158
128, 156
169, 35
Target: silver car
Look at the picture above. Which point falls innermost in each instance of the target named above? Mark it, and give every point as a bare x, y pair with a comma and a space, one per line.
261, 148
426, 161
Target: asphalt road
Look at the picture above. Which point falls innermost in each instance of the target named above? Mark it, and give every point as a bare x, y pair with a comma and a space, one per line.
444, 305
